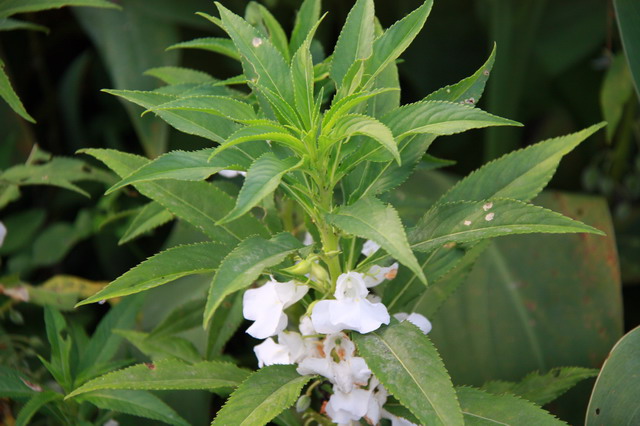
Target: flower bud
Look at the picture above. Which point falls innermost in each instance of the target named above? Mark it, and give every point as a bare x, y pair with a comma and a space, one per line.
303, 403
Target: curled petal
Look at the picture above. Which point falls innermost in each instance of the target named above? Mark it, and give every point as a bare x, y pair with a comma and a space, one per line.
369, 248
346, 407
416, 319
268, 325
270, 352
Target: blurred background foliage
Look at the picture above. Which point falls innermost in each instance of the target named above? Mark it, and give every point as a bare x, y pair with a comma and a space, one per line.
529, 303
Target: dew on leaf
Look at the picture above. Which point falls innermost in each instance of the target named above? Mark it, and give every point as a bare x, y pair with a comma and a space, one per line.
256, 42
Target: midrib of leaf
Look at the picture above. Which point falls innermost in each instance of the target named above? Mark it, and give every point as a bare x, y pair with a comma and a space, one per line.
507, 279
426, 395
484, 418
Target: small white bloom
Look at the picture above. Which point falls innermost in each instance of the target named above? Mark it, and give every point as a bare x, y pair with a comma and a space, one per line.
3, 233
306, 326
298, 347
308, 239
265, 305
351, 310
231, 173
346, 407
377, 274
416, 319
270, 352
369, 248
111, 422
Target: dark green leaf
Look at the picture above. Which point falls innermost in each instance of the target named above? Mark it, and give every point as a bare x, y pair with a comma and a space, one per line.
179, 75
32, 406
223, 46
151, 216
11, 7
628, 15
306, 19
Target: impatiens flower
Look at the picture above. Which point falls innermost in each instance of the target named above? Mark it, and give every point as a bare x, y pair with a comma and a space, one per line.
3, 233
369, 248
416, 319
377, 274
265, 305
231, 173
269, 352
351, 310
338, 364
343, 407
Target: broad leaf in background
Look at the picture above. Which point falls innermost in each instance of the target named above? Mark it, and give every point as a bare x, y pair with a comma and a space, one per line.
628, 16
481, 408
409, 367
264, 395
618, 386
169, 374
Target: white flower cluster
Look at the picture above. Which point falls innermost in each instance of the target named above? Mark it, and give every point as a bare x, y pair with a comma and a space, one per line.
320, 346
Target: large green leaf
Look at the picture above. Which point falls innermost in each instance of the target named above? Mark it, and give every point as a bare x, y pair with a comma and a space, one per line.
245, 264
302, 78
179, 75
199, 203
184, 317
408, 365
306, 18
11, 7
355, 124
617, 389
472, 221
263, 177
526, 294
34, 404
440, 118
260, 59
259, 16
481, 408
130, 42
161, 347
163, 268
135, 402
9, 95
520, 175
264, 395
223, 106
224, 323
355, 41
395, 40
169, 374
372, 219
224, 46
151, 216
541, 388
628, 15
261, 130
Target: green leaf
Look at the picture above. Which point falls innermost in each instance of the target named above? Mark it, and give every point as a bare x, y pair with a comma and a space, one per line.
370, 218
440, 118
261, 130
302, 78
541, 388
179, 75
61, 344
306, 19
617, 388
167, 374
135, 402
8, 24
224, 46
156, 348
258, 15
151, 216
260, 59
104, 343
164, 267
627, 15
263, 177
413, 373
13, 384
182, 318
34, 405
9, 95
354, 124
265, 394
182, 165
390, 45
520, 175
11, 7
481, 408
224, 323
472, 221
199, 203
208, 126
245, 264
617, 89
222, 106
355, 41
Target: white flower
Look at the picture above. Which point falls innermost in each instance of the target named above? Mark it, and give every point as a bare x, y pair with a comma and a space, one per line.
369, 248
270, 352
416, 319
231, 173
377, 274
308, 239
348, 372
306, 326
3, 233
346, 407
351, 310
265, 305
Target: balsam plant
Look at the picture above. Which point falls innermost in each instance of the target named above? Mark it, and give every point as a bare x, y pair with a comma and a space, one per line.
322, 140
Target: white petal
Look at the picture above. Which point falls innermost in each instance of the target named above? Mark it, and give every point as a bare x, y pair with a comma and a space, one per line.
290, 292
377, 274
306, 326
322, 366
269, 353
416, 319
231, 173
308, 239
344, 407
369, 248
321, 318
350, 286
3, 233
267, 326
361, 316
257, 302
350, 374
341, 344
395, 420
295, 345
